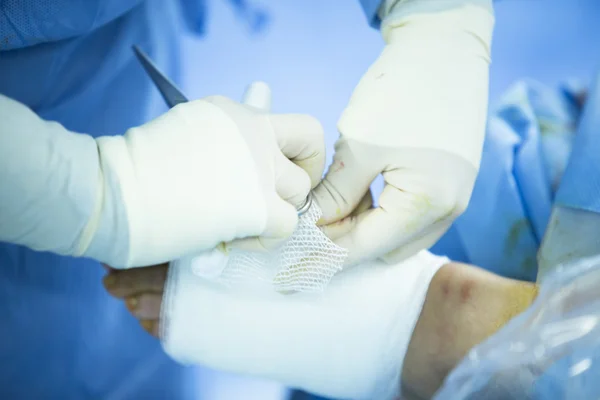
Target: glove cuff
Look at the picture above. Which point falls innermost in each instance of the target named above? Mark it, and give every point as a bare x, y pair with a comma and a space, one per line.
439, 18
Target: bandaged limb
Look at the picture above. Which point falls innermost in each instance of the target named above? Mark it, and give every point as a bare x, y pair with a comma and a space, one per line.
464, 305
348, 342
205, 172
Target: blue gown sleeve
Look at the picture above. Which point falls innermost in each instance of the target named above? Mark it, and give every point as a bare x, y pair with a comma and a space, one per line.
580, 193
194, 14
27, 23
370, 8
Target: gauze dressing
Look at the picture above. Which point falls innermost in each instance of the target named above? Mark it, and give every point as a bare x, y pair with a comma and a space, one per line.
306, 262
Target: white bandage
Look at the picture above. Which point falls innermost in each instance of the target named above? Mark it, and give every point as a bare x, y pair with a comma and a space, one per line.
348, 342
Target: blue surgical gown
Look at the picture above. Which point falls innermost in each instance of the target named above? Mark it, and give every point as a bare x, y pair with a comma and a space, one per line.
61, 335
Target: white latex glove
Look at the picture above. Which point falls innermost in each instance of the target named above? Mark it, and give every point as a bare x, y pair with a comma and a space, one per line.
417, 117
205, 172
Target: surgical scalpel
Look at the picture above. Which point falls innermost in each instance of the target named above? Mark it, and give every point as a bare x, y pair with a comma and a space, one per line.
167, 89
173, 96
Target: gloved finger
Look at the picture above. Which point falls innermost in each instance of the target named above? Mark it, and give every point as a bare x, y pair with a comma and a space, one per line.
365, 204
345, 183
338, 229
416, 244
281, 223
401, 218
258, 95
145, 305
125, 283
365, 239
151, 326
301, 139
292, 183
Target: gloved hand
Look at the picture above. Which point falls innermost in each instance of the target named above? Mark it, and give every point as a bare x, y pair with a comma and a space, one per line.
205, 172
417, 117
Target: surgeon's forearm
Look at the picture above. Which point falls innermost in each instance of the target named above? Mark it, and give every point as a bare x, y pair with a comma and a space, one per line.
49, 180
464, 306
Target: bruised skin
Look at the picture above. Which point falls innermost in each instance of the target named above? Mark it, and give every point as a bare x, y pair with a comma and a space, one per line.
464, 305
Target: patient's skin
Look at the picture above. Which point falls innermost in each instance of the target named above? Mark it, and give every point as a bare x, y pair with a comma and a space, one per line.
464, 305
142, 290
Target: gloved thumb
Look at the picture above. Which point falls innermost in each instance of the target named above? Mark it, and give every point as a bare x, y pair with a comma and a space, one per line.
398, 221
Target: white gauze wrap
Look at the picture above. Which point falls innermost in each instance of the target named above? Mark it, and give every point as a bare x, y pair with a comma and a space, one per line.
348, 342
306, 262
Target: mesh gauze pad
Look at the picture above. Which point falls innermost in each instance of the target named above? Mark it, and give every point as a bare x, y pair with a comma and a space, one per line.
306, 262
